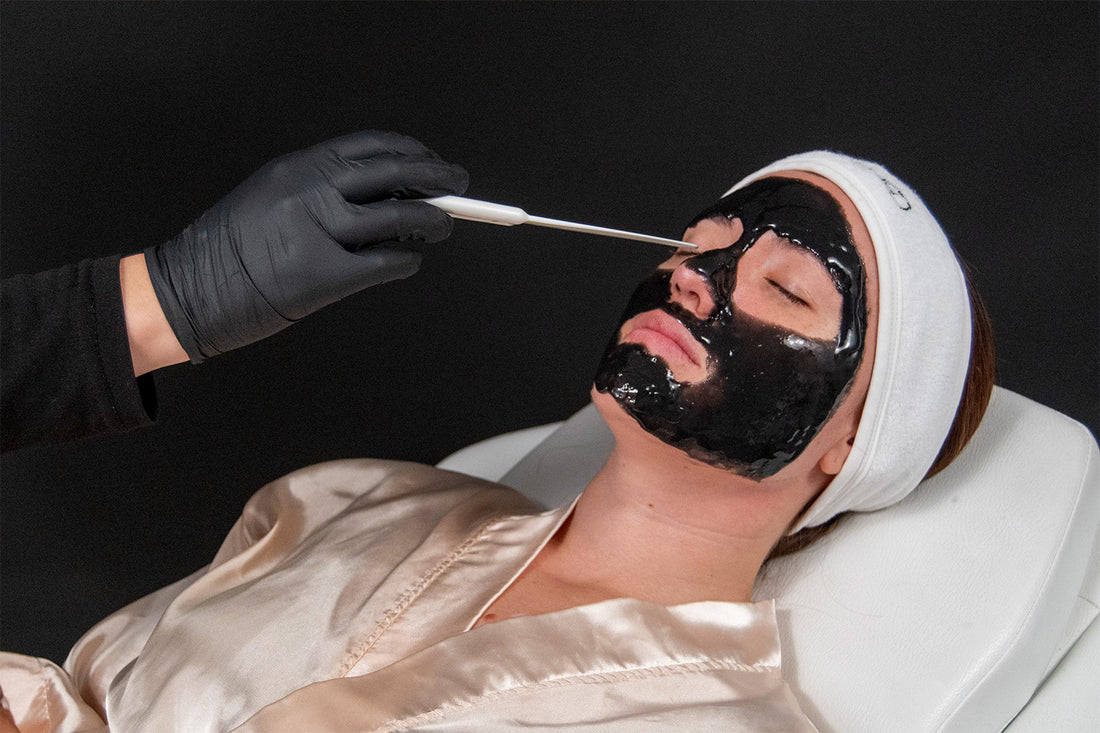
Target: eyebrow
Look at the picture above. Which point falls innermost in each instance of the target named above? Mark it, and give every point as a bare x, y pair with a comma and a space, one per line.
812, 300
788, 244
802, 249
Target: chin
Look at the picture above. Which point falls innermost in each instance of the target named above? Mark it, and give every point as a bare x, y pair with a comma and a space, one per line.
621, 422
629, 432
605, 404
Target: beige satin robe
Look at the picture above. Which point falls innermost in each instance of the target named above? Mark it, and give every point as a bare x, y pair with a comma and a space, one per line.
343, 600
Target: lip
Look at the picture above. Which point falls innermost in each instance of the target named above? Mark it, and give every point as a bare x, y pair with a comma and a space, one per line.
664, 336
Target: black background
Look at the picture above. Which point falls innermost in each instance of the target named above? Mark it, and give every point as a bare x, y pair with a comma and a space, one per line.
122, 122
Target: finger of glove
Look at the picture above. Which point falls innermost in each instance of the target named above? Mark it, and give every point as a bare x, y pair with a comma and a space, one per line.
401, 176
369, 143
357, 226
382, 264
335, 274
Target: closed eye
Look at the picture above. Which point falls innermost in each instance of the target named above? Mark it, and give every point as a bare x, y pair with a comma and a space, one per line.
788, 294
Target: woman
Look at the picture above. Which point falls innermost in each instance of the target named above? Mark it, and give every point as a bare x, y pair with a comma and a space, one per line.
807, 360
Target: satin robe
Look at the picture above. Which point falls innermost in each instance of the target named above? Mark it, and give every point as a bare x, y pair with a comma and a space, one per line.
344, 598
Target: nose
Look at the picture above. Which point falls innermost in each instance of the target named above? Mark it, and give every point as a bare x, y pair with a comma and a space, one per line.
692, 290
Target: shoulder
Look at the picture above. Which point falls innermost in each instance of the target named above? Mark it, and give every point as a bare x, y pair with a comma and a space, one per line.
301, 502
368, 481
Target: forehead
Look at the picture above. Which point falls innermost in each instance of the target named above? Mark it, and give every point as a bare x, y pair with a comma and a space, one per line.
716, 233
861, 237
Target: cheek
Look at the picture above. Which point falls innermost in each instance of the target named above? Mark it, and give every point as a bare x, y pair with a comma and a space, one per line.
755, 296
708, 397
750, 298
850, 411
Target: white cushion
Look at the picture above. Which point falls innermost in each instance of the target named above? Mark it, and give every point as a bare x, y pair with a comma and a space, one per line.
943, 612
491, 458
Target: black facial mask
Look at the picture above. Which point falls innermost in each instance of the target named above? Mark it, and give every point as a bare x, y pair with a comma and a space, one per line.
768, 390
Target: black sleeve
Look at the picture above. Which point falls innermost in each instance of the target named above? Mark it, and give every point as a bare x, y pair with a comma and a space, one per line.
65, 368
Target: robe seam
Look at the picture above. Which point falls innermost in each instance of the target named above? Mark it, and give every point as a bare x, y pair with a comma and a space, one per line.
585, 678
411, 594
41, 699
563, 515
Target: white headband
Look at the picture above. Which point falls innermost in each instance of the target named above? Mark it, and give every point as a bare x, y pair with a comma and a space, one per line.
923, 346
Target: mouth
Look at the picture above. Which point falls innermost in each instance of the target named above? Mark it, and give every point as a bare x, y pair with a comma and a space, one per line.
666, 337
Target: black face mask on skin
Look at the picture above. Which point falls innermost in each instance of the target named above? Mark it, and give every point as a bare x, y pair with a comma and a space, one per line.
768, 390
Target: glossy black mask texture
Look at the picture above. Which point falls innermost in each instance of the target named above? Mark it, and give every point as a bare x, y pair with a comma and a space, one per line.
769, 390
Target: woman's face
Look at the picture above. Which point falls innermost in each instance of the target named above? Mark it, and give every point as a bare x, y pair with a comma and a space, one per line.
741, 353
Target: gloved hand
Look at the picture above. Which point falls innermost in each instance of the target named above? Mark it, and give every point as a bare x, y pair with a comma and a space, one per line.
299, 234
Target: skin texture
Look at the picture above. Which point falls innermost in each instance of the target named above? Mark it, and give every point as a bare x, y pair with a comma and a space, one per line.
658, 525
769, 349
152, 343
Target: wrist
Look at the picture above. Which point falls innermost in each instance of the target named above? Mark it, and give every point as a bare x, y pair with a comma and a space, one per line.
153, 344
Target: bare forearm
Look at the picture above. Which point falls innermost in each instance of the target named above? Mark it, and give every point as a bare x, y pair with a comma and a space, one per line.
152, 343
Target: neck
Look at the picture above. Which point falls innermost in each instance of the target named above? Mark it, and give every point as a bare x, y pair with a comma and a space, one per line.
657, 525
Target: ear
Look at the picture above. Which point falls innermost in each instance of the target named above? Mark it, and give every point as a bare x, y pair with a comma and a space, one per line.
833, 460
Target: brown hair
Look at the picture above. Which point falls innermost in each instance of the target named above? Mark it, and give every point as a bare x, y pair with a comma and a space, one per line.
977, 389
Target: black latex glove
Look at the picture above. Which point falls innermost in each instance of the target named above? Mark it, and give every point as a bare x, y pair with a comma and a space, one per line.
299, 234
